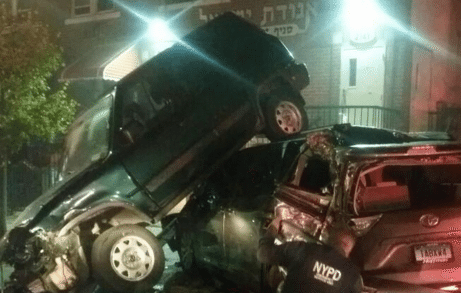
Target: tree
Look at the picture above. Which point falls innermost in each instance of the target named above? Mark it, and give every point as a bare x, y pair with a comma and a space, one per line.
29, 106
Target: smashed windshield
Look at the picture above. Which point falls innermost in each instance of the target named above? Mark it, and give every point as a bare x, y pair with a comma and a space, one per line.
88, 138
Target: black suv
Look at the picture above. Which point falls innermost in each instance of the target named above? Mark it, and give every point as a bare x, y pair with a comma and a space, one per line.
143, 147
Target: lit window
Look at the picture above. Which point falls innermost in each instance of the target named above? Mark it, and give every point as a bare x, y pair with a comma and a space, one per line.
353, 72
90, 7
81, 7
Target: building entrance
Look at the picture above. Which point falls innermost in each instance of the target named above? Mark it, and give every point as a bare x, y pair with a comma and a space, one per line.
362, 84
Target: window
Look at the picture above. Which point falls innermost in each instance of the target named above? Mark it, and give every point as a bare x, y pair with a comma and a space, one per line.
137, 110
353, 72
81, 7
104, 5
88, 7
397, 187
87, 140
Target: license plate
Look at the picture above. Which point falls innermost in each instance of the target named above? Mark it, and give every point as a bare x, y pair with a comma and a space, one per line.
433, 253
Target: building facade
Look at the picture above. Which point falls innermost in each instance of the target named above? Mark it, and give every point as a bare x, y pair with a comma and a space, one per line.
398, 66
392, 64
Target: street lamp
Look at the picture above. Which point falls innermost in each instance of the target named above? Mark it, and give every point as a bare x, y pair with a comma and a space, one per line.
362, 18
160, 34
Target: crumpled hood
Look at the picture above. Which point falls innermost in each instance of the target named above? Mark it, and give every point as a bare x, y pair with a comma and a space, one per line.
77, 194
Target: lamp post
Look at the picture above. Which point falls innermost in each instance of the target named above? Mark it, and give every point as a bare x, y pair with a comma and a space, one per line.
160, 34
362, 18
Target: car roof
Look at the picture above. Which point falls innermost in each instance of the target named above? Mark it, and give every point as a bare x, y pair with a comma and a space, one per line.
363, 140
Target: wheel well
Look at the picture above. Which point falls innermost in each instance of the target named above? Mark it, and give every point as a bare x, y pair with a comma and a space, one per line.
112, 217
101, 219
275, 86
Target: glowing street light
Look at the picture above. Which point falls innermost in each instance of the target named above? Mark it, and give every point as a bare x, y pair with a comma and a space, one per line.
159, 31
362, 18
362, 14
160, 34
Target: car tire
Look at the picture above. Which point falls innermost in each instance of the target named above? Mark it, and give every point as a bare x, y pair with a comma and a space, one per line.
285, 116
127, 258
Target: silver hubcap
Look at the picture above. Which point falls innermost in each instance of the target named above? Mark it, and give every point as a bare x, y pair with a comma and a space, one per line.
132, 258
288, 117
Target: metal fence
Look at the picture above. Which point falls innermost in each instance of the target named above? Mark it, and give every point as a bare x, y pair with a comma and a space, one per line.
375, 116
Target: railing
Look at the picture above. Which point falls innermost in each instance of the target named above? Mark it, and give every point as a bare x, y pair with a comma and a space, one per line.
320, 116
375, 116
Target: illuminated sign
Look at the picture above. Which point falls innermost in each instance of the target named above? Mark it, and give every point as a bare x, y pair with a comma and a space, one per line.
286, 18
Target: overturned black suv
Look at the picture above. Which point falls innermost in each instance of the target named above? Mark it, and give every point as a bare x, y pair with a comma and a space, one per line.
143, 147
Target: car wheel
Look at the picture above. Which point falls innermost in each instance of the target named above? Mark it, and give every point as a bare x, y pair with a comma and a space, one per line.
186, 252
285, 117
127, 258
